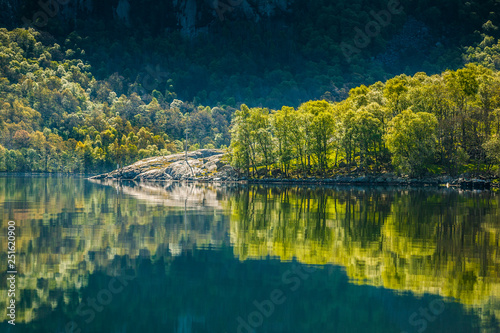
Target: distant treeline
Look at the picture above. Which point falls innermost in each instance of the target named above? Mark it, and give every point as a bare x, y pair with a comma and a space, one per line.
56, 117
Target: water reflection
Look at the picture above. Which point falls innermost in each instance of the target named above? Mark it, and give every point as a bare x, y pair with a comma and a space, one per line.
435, 241
201, 255
171, 194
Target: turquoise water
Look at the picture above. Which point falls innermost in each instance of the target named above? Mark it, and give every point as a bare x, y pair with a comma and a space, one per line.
127, 257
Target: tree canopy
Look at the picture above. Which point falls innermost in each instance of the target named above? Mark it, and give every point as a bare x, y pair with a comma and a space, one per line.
413, 125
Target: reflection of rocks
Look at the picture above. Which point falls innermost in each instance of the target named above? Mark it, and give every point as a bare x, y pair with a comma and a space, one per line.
420, 241
203, 164
170, 193
76, 233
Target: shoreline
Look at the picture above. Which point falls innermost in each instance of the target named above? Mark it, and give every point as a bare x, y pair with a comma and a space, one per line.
472, 183
443, 181
354, 180
211, 166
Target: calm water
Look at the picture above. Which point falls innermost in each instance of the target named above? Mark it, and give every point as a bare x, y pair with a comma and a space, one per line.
107, 257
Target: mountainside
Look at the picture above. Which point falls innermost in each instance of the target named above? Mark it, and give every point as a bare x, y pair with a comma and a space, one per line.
9, 12
187, 15
95, 84
259, 52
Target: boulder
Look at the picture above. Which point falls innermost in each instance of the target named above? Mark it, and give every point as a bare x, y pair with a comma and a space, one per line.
203, 164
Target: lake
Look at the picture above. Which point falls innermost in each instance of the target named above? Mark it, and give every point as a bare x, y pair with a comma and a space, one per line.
169, 257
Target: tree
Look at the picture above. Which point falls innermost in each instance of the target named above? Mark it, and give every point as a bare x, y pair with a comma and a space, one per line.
243, 154
492, 148
200, 125
462, 86
261, 135
21, 139
287, 130
395, 93
367, 133
411, 140
321, 130
3, 152
433, 97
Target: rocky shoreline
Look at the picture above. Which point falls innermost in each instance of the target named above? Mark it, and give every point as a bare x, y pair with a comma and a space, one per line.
202, 165
387, 180
211, 165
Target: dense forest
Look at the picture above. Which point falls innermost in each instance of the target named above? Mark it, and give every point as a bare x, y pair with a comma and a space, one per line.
87, 89
417, 125
266, 53
55, 116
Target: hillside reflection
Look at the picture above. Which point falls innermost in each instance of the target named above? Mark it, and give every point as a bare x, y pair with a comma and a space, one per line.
71, 228
424, 241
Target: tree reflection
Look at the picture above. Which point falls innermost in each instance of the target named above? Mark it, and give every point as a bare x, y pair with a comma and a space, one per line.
75, 234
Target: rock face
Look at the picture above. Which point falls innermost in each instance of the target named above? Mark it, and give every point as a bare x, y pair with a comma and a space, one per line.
203, 164
187, 16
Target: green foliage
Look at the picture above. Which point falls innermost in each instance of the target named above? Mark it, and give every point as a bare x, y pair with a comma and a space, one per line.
242, 147
284, 58
412, 124
320, 130
492, 148
56, 117
252, 142
289, 136
411, 140
367, 133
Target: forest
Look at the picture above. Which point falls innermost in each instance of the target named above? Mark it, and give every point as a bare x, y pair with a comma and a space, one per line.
298, 50
415, 125
420, 99
56, 117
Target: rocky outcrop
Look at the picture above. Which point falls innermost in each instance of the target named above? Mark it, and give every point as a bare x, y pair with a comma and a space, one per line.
203, 165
